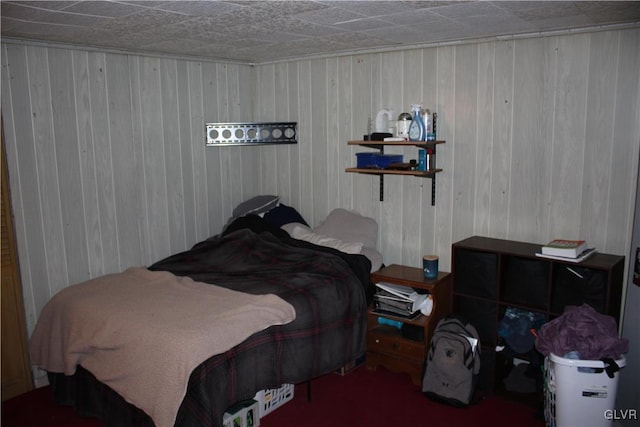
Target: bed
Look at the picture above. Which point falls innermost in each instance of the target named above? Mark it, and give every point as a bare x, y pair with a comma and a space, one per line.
328, 288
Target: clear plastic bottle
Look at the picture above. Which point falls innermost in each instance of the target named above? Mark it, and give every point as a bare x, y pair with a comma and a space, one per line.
429, 133
416, 129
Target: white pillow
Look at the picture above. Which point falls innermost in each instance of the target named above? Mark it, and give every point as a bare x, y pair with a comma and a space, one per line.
353, 227
290, 226
374, 256
303, 233
349, 226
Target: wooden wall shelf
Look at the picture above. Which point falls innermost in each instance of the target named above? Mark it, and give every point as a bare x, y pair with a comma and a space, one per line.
379, 145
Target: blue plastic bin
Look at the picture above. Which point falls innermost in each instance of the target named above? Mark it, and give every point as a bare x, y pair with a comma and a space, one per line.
377, 160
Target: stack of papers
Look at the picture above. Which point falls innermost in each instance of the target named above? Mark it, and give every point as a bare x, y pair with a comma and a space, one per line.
401, 300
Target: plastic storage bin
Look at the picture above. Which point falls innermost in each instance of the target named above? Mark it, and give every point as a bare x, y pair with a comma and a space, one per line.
243, 414
377, 160
579, 393
271, 399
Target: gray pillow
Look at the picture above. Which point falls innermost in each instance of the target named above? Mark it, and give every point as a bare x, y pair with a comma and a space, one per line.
256, 205
349, 226
353, 227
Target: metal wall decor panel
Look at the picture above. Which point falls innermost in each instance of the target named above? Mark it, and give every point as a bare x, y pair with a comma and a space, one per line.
219, 134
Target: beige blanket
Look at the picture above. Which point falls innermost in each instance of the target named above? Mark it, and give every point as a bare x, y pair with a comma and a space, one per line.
143, 332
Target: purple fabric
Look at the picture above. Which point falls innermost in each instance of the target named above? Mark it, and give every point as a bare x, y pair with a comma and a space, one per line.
582, 329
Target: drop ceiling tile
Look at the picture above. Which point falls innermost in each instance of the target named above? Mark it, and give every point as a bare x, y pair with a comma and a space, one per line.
397, 35
93, 37
249, 15
135, 41
332, 43
465, 10
380, 8
424, 17
8, 24
185, 45
541, 12
499, 24
200, 26
603, 11
50, 32
19, 11
359, 40
145, 3
284, 23
296, 26
199, 8
258, 34
364, 24
551, 23
52, 5
330, 16
149, 19
64, 18
228, 45
102, 8
285, 8
437, 27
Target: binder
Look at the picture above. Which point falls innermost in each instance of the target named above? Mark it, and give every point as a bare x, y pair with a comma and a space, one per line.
398, 299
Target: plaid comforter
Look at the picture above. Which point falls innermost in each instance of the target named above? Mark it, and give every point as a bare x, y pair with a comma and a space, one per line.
328, 289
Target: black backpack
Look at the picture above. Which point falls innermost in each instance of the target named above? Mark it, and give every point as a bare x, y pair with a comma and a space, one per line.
453, 362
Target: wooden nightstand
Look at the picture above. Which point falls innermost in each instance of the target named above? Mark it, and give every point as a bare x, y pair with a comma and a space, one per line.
386, 345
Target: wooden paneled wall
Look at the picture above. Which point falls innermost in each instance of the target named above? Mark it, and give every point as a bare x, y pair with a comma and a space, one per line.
107, 159
108, 166
542, 139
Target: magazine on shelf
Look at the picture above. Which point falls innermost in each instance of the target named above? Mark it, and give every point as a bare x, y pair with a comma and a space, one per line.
584, 255
565, 248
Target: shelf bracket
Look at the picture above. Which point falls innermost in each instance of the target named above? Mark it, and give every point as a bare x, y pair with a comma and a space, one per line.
433, 190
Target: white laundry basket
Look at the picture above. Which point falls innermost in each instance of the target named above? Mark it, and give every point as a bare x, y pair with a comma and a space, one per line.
579, 393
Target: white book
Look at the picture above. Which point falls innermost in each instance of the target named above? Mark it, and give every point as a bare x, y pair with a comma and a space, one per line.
584, 255
565, 248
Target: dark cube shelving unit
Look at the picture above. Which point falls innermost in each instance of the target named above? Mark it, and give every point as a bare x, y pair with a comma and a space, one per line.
490, 275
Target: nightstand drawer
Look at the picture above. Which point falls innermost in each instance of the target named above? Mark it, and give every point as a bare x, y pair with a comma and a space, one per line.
392, 344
